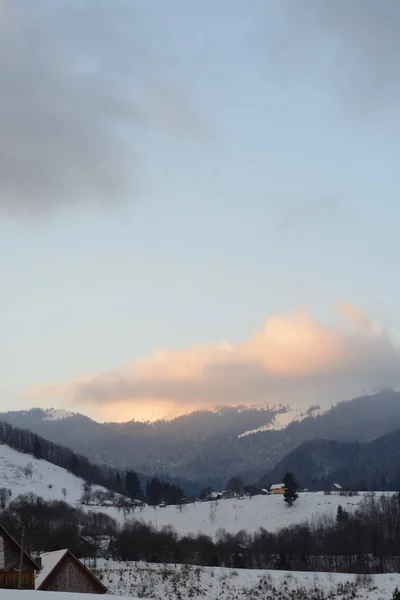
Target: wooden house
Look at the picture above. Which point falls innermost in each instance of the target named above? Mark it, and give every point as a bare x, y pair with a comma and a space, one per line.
228, 494
63, 572
10, 555
277, 488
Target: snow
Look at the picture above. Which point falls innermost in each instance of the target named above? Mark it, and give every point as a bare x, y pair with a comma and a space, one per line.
57, 414
38, 595
284, 418
49, 561
168, 582
15, 476
233, 515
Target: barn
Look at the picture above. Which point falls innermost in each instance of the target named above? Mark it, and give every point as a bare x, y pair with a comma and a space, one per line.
63, 572
10, 556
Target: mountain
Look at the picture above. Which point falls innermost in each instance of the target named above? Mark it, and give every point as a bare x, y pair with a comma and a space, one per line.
209, 446
183, 447
318, 464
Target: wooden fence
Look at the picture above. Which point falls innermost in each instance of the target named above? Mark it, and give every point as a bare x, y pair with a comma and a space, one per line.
9, 580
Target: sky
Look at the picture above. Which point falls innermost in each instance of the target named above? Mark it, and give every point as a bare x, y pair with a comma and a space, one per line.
198, 203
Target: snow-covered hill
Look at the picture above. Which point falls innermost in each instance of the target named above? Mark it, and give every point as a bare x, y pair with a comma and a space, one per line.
269, 512
169, 582
22, 473
29, 595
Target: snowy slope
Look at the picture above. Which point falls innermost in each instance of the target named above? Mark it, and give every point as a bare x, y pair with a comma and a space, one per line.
35, 595
269, 512
57, 414
169, 582
45, 480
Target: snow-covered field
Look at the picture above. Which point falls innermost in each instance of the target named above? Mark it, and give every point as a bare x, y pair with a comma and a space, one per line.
34, 595
23, 473
172, 582
269, 512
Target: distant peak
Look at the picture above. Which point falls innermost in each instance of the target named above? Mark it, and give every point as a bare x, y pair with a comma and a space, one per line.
57, 414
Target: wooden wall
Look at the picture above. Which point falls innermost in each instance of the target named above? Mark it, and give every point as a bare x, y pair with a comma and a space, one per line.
9, 580
69, 576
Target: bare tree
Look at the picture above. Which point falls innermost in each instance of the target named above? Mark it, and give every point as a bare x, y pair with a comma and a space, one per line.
5, 494
213, 511
28, 470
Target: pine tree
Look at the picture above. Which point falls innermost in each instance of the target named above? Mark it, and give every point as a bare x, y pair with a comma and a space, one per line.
37, 449
291, 486
132, 485
341, 515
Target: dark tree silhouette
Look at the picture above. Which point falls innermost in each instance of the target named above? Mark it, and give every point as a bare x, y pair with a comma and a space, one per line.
342, 516
291, 486
37, 448
235, 484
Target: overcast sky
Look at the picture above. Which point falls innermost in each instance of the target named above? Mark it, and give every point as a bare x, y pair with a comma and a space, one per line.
198, 203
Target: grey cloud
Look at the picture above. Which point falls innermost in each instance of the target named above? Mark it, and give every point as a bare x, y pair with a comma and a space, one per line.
79, 84
354, 44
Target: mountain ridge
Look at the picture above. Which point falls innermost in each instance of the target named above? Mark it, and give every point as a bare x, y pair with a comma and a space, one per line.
209, 446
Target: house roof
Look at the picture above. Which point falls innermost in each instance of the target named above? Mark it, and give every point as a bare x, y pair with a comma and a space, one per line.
51, 560
337, 486
277, 486
4, 533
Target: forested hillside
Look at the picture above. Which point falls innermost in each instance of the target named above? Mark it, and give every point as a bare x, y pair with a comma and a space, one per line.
208, 446
317, 464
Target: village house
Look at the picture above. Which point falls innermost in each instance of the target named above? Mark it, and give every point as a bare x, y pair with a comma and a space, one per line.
228, 494
62, 572
10, 556
124, 503
214, 496
277, 488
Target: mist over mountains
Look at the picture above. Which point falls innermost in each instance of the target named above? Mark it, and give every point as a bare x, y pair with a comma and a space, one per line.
208, 446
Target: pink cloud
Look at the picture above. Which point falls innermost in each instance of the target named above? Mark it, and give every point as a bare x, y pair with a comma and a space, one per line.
291, 359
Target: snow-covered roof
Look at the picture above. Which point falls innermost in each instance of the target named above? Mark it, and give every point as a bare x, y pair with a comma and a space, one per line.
277, 486
214, 495
337, 486
49, 561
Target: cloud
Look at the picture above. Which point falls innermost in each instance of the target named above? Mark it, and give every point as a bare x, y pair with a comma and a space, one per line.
80, 83
354, 44
291, 359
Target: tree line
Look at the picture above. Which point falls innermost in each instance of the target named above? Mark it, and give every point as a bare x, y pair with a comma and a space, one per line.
28, 442
125, 483
365, 541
